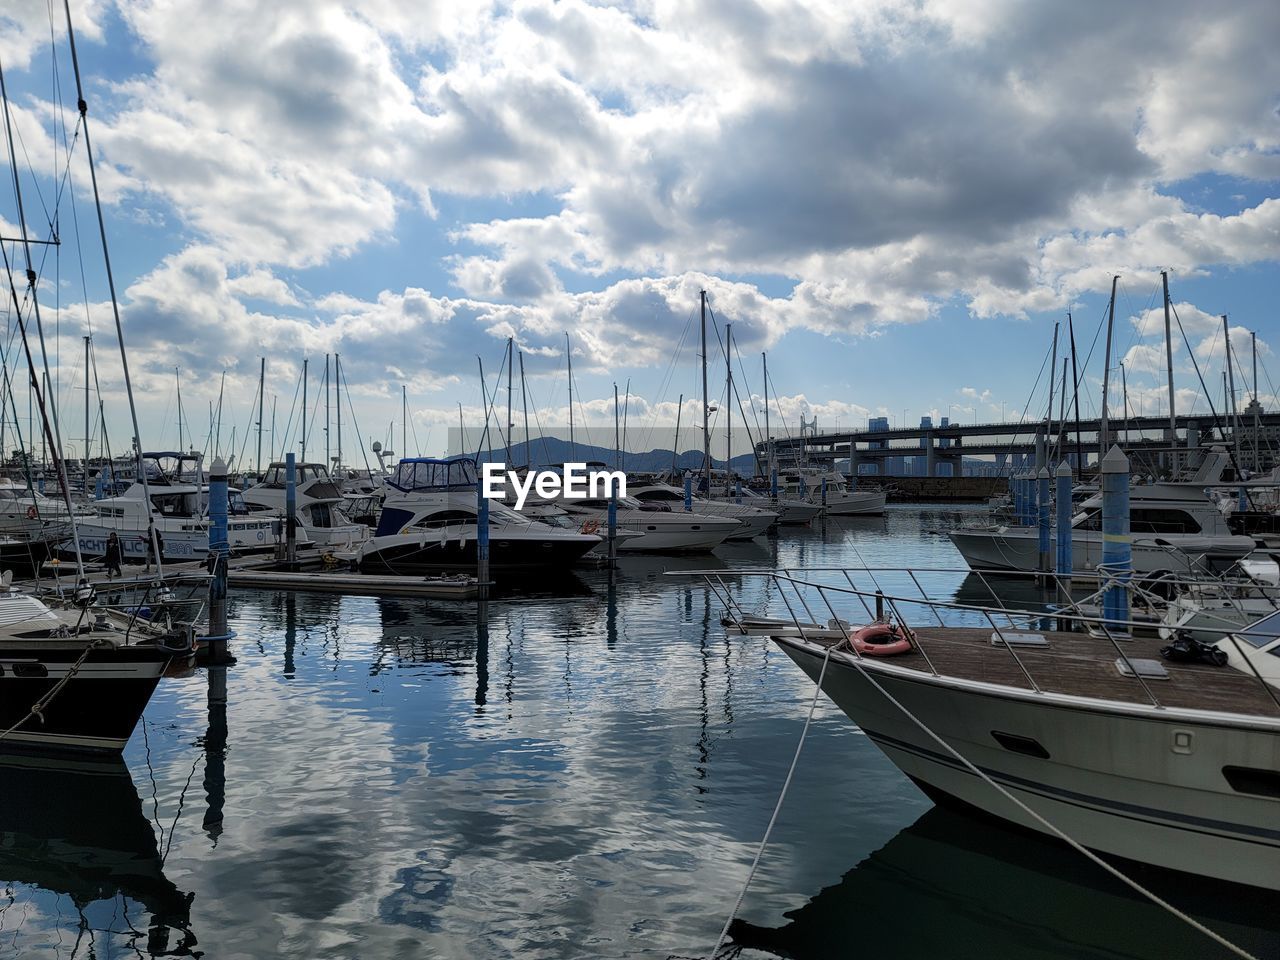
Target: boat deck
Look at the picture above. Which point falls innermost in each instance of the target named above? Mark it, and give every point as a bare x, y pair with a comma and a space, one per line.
1078, 664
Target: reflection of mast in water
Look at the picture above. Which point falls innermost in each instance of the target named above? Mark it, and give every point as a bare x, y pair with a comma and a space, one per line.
611, 614
482, 652
704, 737
215, 753
75, 828
290, 631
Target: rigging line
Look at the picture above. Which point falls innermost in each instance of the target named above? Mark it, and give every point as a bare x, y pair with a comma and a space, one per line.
111, 284
1022, 418
666, 380
1212, 412
364, 453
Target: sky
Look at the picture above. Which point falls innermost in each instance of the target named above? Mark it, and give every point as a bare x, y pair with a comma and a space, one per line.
897, 201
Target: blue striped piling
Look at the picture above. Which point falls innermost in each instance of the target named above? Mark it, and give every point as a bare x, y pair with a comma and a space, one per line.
219, 552
290, 508
1042, 518
1063, 504
688, 492
482, 540
1117, 559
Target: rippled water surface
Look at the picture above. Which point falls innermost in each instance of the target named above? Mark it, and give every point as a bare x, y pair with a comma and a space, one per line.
580, 771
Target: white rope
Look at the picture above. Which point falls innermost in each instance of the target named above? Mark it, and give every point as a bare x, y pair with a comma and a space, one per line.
1119, 875
786, 784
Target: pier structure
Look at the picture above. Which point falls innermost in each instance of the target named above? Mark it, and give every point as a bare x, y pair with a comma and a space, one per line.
1018, 446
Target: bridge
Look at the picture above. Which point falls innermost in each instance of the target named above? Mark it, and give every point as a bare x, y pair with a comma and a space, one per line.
1014, 444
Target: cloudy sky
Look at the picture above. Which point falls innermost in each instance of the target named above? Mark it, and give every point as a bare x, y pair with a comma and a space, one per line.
896, 200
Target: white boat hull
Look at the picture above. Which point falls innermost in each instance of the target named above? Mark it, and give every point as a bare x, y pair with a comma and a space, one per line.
1018, 548
856, 503
1138, 783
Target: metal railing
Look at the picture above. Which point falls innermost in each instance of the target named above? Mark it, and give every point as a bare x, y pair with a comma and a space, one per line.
1065, 618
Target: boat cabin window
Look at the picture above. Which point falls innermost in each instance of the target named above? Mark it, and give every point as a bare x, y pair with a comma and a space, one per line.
1162, 521
321, 515
434, 474
174, 504
655, 496
236, 506
1265, 631
446, 518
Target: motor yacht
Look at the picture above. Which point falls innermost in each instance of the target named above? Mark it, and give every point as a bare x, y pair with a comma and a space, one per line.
318, 504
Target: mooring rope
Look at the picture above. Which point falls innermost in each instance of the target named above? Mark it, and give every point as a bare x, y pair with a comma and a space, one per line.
786, 785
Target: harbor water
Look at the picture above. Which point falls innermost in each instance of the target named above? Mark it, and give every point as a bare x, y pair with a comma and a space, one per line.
584, 769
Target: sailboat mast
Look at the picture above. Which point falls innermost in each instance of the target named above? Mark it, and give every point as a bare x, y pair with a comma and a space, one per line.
305, 364
1257, 455
404, 420
328, 458
1168, 358
768, 439
568, 355
728, 420
177, 379
87, 438
524, 404
510, 365
1106, 372
1053, 368
262, 386
1075, 391
337, 400
1124, 393
706, 408
617, 435
1231, 395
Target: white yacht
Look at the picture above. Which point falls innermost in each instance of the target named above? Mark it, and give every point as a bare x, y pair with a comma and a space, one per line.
753, 520
1166, 762
318, 502
840, 500
178, 509
428, 523
665, 531
1174, 526
25, 512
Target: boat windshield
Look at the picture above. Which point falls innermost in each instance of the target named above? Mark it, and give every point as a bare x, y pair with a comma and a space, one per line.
1265, 631
425, 474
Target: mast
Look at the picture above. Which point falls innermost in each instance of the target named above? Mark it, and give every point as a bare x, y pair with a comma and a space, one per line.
1124, 392
1075, 392
617, 437
626, 409
1168, 358
404, 420
1231, 383
1257, 454
328, 458
524, 404
510, 424
177, 379
88, 439
1062, 414
1106, 373
706, 409
305, 363
768, 440
728, 420
1053, 367
262, 386
568, 354
337, 400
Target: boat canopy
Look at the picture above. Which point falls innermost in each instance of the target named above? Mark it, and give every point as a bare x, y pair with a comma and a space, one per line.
423, 473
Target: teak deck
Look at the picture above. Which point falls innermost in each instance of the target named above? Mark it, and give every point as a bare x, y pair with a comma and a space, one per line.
1081, 665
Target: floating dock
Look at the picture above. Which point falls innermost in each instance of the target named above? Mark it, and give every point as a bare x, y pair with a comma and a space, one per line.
358, 584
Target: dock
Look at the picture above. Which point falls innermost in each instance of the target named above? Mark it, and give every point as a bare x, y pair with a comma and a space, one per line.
357, 584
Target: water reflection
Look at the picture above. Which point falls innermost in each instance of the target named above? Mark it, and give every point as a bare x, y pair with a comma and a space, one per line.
76, 830
955, 885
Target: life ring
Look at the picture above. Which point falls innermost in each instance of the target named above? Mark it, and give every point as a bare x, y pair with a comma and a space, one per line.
881, 640
32, 513
590, 526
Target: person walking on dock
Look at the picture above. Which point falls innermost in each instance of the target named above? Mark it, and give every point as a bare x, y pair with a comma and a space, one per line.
155, 541
113, 556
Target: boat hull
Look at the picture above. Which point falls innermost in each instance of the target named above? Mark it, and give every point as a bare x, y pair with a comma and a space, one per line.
95, 712
1142, 784
408, 555
1019, 549
856, 504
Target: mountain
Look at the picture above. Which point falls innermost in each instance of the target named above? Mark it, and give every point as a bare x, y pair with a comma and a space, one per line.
552, 451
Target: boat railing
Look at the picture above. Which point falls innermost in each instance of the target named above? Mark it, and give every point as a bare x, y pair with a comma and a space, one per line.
796, 590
